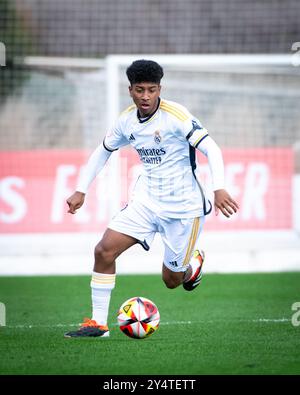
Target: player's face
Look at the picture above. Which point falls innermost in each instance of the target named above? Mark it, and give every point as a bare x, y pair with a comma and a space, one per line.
145, 96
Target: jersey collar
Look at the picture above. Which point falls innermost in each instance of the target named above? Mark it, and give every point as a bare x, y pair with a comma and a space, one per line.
142, 120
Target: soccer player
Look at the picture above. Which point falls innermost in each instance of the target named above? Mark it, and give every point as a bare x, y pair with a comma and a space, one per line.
168, 198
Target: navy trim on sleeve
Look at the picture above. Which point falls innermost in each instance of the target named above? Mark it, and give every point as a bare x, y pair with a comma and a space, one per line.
195, 127
109, 149
194, 166
201, 140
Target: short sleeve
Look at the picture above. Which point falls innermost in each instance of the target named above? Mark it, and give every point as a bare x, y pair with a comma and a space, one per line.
115, 138
194, 131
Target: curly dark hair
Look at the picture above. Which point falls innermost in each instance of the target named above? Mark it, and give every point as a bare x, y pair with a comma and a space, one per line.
144, 71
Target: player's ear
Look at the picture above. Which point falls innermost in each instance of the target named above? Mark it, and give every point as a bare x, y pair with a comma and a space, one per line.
130, 90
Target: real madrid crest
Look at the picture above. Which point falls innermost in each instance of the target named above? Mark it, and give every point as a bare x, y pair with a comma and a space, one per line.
157, 137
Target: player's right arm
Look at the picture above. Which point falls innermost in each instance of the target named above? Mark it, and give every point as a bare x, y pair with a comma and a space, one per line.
112, 142
94, 165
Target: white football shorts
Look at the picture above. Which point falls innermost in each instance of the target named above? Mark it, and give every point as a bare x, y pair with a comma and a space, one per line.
180, 236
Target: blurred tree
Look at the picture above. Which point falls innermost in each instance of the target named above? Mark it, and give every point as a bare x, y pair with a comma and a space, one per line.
17, 43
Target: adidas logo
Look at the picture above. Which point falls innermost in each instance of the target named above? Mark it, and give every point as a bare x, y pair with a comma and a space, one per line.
131, 138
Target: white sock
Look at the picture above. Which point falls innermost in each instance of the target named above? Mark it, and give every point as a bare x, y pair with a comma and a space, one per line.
101, 286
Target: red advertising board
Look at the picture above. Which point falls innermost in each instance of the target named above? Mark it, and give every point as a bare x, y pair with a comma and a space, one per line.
34, 186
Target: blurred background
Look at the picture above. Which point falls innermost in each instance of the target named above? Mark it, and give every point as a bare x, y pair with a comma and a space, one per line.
235, 65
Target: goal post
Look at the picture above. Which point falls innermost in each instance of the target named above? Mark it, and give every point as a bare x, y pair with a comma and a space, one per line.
248, 103
227, 63
114, 64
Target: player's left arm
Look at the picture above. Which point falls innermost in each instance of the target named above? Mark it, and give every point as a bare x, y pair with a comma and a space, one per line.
198, 137
222, 200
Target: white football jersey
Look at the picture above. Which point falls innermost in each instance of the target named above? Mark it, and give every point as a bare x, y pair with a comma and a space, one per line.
165, 143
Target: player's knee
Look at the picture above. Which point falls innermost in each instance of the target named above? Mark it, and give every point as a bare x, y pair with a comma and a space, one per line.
171, 283
103, 254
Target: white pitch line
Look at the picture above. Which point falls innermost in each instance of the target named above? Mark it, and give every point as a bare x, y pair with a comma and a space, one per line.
272, 320
30, 326
262, 320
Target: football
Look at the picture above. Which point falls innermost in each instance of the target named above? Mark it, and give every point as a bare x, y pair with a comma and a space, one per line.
138, 317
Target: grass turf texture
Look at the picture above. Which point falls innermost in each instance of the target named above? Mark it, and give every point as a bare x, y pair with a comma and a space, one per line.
216, 329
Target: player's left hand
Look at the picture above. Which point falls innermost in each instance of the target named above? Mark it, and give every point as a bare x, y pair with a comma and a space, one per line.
225, 203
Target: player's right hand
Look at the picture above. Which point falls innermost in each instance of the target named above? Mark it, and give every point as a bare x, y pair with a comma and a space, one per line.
75, 201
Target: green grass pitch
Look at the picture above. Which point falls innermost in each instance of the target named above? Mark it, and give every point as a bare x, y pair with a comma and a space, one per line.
232, 324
